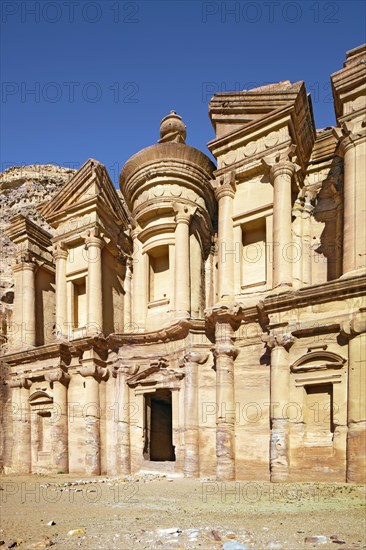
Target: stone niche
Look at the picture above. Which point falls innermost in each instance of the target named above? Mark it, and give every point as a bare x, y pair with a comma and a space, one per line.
318, 392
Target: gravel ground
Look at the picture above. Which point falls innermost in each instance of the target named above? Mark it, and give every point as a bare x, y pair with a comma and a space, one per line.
148, 511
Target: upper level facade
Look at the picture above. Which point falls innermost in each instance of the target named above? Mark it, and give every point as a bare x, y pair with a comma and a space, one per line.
282, 210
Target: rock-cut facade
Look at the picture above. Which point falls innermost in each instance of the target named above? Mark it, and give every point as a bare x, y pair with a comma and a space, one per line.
207, 319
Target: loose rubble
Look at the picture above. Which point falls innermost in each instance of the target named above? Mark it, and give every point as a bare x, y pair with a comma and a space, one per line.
167, 513
318, 539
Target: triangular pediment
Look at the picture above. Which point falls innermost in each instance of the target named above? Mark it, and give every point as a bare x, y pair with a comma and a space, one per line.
236, 115
90, 188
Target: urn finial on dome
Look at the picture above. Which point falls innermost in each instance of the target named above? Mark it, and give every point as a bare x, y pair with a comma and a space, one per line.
172, 128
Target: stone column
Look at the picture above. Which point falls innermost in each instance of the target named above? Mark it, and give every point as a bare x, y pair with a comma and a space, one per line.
353, 147
25, 301
227, 251
123, 449
356, 435
225, 354
94, 247
127, 297
191, 418
306, 258
93, 373
298, 236
182, 260
139, 285
280, 394
60, 254
281, 175
22, 450
60, 437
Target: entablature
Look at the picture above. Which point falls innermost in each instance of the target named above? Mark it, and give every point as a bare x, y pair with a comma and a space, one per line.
31, 240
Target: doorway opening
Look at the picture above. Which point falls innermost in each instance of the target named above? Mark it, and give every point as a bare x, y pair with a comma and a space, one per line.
158, 426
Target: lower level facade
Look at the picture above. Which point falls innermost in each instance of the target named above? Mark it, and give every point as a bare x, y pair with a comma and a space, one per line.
220, 398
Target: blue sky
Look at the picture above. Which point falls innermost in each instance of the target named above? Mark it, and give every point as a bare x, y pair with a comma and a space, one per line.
87, 79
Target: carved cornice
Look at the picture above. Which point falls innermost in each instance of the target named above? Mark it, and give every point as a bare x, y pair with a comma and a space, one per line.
23, 232
315, 294
48, 351
177, 331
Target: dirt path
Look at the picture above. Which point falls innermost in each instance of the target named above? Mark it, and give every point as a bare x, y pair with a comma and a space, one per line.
157, 512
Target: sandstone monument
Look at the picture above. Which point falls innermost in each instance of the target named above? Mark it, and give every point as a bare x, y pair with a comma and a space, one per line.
205, 320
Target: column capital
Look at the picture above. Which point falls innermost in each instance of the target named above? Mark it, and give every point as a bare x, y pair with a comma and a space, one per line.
348, 135
282, 168
231, 313
276, 339
135, 230
118, 365
224, 186
125, 370
94, 241
282, 163
93, 365
20, 383
60, 251
194, 357
58, 375
183, 212
225, 349
24, 259
94, 237
94, 371
355, 326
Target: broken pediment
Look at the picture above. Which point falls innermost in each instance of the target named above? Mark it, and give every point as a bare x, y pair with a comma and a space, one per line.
235, 115
89, 190
156, 374
30, 239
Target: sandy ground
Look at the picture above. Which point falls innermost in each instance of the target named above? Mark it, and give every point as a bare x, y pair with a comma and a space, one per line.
149, 511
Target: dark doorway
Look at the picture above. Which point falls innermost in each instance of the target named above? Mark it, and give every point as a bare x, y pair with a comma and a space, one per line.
159, 426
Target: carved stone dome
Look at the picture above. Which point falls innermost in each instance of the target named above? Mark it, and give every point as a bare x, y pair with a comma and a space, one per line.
170, 162
172, 128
